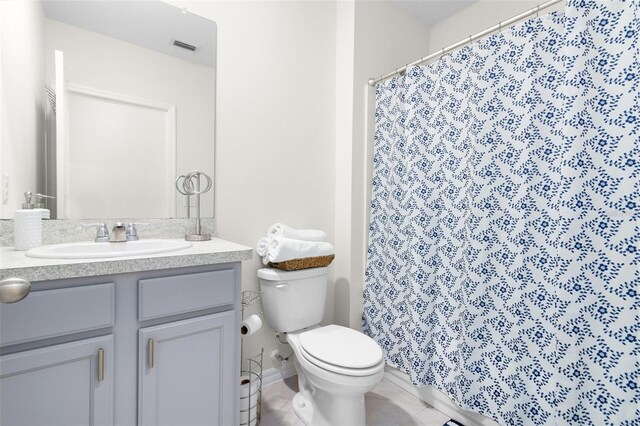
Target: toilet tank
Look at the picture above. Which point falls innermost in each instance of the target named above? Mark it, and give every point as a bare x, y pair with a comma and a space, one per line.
293, 300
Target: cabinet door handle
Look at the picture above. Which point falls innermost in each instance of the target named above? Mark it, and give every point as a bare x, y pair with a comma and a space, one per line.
14, 289
100, 365
150, 348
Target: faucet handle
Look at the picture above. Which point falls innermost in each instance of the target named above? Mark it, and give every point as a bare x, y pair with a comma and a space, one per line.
103, 232
132, 232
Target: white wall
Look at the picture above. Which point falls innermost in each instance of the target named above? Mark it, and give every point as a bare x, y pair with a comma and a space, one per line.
345, 66
384, 37
478, 17
22, 101
275, 124
292, 104
105, 63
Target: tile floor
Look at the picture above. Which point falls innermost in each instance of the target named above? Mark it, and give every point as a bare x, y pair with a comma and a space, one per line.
387, 405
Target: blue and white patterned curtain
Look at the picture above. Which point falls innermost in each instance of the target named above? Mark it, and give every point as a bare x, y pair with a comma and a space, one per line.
504, 249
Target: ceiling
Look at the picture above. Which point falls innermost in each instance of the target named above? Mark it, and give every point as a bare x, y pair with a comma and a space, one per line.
155, 25
151, 24
432, 12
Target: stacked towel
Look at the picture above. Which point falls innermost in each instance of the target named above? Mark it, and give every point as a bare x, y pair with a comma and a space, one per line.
283, 248
281, 230
284, 243
262, 248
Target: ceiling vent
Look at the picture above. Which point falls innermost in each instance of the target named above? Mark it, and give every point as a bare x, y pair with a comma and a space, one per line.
184, 45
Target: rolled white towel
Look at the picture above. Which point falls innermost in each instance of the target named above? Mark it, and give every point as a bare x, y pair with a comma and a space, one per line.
272, 245
262, 246
283, 248
282, 230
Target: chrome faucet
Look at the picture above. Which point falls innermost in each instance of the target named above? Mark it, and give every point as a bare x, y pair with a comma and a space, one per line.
132, 232
118, 233
102, 235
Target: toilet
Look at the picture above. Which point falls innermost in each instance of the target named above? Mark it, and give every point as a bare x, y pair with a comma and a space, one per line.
336, 365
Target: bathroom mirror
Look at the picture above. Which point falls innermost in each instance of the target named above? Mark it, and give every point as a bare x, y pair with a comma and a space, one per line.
129, 105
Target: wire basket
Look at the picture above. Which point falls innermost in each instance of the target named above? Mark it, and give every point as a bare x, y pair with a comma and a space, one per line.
249, 297
251, 374
251, 391
303, 263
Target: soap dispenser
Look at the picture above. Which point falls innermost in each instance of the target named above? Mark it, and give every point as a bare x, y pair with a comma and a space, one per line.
27, 226
37, 202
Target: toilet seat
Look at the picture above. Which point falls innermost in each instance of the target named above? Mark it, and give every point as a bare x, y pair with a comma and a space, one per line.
355, 372
341, 350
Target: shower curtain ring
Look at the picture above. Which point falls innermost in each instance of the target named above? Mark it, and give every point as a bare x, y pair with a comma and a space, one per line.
500, 26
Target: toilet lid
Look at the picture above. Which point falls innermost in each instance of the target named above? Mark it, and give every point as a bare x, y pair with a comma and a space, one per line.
341, 346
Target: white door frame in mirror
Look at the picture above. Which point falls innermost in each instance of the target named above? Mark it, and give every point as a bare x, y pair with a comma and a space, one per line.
170, 146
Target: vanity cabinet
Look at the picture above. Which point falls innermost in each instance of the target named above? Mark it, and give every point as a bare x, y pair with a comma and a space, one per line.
58, 383
147, 348
184, 369
67, 384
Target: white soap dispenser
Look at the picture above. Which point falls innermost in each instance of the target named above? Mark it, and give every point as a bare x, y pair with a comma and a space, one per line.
27, 226
37, 202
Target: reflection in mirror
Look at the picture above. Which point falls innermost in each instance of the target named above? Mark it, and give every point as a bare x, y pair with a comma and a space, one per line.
129, 107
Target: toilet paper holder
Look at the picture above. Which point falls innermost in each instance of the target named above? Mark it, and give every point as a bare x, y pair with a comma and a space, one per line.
252, 324
251, 369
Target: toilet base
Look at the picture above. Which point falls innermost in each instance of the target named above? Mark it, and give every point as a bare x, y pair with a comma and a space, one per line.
329, 411
327, 398
302, 408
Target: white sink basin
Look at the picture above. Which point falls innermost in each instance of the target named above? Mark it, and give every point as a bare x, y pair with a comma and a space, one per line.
91, 250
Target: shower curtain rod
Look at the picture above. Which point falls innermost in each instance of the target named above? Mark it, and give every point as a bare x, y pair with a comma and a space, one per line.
498, 27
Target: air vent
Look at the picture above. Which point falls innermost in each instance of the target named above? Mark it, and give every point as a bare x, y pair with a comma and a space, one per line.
184, 45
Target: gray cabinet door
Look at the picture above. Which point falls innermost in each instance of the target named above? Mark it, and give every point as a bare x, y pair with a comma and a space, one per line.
186, 372
67, 384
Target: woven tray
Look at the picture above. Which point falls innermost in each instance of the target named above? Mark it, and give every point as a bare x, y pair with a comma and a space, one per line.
304, 263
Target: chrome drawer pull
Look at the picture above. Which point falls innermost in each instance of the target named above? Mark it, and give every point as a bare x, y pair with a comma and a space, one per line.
100, 365
14, 289
150, 349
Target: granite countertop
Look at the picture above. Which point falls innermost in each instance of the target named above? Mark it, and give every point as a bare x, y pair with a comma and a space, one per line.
15, 264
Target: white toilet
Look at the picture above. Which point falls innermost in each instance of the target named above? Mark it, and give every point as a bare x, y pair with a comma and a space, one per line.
336, 365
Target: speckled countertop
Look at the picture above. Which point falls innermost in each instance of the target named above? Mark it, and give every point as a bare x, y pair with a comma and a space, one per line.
15, 264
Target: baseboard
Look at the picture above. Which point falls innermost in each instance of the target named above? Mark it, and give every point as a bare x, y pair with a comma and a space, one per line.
437, 399
273, 375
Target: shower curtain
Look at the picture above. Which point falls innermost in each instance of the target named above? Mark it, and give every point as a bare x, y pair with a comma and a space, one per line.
503, 263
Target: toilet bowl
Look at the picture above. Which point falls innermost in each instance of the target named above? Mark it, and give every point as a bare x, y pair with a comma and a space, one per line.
332, 393
336, 365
